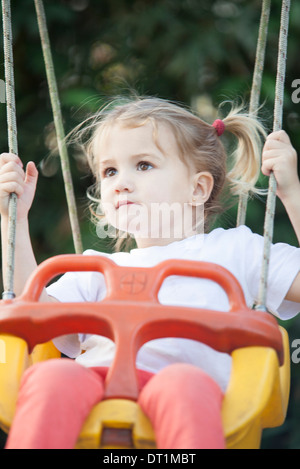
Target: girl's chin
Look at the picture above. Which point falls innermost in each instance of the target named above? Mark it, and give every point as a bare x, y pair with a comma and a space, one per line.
132, 225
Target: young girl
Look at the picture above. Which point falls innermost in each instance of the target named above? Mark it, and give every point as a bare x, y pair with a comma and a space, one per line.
156, 166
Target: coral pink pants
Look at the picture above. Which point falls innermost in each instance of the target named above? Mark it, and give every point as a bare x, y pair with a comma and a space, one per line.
56, 396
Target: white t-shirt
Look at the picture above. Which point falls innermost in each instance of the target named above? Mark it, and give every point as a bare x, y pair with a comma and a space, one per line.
238, 250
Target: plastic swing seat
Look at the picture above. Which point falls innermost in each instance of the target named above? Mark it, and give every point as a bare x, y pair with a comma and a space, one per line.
257, 396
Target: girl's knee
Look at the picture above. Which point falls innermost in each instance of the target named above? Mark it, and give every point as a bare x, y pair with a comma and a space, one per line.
54, 375
61, 377
181, 374
183, 402
180, 370
180, 381
49, 369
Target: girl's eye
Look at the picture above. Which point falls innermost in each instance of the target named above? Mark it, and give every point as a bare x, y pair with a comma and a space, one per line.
144, 166
109, 172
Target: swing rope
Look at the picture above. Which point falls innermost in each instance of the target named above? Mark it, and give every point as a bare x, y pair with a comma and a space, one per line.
256, 88
12, 144
12, 136
12, 130
58, 122
277, 125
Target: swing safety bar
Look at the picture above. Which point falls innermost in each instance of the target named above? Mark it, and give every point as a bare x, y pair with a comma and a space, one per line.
131, 314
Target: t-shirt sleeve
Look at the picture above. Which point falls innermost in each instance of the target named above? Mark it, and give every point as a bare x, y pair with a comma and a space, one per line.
284, 266
76, 287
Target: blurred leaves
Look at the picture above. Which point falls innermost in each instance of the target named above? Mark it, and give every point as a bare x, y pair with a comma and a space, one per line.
185, 50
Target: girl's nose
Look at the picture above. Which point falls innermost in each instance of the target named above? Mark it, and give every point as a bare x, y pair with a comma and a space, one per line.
123, 184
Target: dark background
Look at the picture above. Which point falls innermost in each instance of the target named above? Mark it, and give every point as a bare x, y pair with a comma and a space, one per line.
193, 51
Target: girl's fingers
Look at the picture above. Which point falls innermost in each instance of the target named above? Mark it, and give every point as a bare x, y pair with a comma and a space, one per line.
13, 179
11, 175
31, 173
275, 148
10, 167
273, 153
277, 145
8, 157
12, 187
272, 143
280, 136
12, 182
268, 167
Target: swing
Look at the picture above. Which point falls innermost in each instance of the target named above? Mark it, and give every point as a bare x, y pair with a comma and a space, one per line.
257, 395
255, 338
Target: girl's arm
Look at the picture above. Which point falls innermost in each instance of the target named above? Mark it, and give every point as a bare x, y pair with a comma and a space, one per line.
280, 157
14, 179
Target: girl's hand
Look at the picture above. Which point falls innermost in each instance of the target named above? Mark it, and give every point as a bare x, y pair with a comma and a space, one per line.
280, 157
14, 179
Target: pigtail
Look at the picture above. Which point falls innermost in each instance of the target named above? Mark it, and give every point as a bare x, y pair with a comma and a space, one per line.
245, 160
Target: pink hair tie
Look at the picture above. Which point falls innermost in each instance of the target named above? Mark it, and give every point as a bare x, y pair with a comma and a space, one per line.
219, 126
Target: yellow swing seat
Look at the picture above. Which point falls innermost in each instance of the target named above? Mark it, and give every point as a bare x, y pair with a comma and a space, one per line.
258, 392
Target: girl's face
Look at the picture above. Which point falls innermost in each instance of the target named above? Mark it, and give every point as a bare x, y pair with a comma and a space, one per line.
146, 189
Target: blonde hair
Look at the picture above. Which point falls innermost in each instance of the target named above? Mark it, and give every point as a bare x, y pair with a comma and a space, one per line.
198, 143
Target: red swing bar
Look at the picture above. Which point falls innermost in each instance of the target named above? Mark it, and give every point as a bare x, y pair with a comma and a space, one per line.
131, 314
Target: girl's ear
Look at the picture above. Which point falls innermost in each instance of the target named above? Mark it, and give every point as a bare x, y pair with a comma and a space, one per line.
203, 186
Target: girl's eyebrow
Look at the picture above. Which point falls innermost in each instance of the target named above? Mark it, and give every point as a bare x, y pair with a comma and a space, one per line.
107, 162
112, 161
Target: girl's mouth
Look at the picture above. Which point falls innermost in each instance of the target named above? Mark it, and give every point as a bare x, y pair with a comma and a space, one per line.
123, 202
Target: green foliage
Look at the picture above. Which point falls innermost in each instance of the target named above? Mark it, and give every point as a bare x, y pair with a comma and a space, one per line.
185, 50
